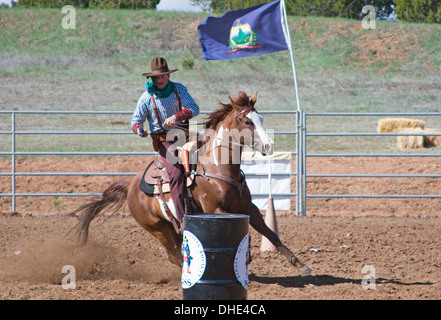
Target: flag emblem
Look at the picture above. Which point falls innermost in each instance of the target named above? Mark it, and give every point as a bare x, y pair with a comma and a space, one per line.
242, 37
242, 33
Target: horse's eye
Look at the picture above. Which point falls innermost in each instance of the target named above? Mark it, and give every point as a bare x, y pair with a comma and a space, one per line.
248, 122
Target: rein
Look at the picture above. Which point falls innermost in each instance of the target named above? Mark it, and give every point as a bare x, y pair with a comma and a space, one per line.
206, 175
217, 138
238, 185
248, 109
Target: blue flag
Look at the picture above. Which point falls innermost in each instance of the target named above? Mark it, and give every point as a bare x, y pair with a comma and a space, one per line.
242, 33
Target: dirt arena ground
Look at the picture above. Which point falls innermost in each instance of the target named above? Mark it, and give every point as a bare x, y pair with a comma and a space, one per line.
398, 241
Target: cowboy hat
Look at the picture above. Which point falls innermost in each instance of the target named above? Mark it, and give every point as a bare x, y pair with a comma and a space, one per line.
159, 67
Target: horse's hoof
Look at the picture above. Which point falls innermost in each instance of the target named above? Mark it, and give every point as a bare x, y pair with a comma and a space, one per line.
305, 271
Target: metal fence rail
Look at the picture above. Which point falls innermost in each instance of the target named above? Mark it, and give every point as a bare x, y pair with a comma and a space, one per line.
14, 153
301, 154
304, 154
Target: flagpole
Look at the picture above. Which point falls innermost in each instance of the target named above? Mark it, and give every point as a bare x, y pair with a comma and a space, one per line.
300, 162
285, 18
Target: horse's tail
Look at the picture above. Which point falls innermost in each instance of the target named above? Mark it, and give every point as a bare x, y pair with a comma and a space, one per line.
114, 196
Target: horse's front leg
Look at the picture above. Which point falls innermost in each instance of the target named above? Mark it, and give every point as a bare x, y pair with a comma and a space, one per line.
258, 223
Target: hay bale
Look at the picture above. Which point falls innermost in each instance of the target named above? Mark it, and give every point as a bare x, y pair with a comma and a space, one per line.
432, 141
394, 125
410, 142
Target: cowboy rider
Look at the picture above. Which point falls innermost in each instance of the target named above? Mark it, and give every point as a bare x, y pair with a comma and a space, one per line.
165, 104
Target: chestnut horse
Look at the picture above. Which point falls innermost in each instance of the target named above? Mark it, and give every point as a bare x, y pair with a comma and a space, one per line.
219, 185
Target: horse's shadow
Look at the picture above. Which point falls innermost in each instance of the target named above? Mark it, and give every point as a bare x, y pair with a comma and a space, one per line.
322, 280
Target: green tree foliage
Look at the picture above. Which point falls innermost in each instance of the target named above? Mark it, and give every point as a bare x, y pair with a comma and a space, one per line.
100, 4
49, 3
329, 8
123, 4
352, 9
228, 5
428, 11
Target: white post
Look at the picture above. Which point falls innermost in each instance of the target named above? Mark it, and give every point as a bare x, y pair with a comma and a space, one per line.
269, 178
288, 41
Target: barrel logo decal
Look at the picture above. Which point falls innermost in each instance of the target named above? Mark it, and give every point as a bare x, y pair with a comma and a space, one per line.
194, 260
241, 261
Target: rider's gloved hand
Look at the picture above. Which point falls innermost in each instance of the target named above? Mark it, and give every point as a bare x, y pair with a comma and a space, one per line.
170, 122
139, 130
142, 133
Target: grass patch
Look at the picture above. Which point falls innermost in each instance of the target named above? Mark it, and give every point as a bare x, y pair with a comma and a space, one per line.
340, 67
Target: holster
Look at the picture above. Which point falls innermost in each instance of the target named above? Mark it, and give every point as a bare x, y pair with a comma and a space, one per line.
156, 138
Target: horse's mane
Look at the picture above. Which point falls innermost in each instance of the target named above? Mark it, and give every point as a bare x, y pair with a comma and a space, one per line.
242, 100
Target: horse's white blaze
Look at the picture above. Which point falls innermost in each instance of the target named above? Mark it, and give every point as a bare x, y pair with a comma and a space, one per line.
267, 144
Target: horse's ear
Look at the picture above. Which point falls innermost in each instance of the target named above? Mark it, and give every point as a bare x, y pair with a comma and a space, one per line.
232, 102
254, 99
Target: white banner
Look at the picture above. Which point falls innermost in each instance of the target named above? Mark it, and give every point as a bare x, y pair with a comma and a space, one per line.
266, 183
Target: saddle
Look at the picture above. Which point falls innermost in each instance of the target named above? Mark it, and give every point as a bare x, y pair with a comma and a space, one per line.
155, 179
155, 183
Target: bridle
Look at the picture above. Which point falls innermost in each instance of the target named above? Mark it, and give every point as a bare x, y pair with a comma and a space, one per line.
206, 175
246, 110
